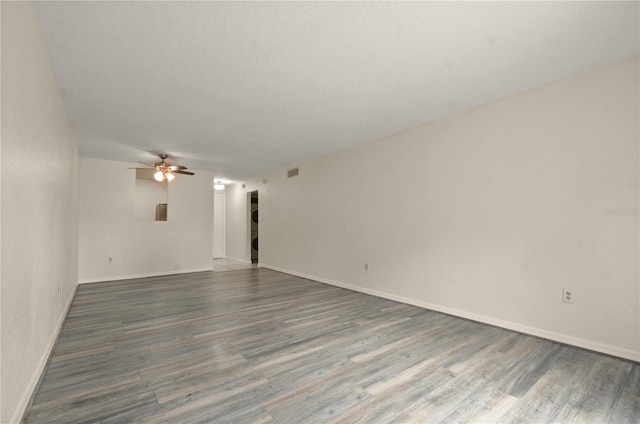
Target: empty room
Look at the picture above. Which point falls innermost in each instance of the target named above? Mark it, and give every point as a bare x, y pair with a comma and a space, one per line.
320, 212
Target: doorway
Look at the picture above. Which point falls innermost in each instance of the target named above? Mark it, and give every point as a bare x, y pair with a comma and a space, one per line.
219, 223
253, 225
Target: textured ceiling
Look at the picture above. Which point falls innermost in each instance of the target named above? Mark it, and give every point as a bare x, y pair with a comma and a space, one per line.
243, 88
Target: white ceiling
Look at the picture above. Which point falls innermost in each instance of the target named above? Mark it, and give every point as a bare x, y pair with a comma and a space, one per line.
243, 88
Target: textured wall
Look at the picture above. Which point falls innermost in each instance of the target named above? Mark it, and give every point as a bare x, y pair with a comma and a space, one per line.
39, 208
109, 228
486, 214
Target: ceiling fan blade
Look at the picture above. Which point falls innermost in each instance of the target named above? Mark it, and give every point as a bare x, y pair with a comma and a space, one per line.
177, 167
183, 172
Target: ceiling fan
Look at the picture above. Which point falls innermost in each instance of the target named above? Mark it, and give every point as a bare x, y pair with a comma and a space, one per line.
165, 171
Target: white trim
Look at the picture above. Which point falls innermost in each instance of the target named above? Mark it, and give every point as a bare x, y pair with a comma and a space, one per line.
550, 335
144, 275
40, 368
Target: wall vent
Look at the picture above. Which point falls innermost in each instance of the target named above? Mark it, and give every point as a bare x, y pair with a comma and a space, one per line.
293, 172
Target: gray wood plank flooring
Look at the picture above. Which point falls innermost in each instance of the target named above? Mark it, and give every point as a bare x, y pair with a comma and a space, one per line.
258, 346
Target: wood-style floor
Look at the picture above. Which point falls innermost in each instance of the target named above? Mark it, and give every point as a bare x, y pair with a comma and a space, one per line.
225, 264
254, 345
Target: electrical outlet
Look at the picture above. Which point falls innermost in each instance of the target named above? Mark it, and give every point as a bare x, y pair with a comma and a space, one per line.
366, 266
110, 259
568, 296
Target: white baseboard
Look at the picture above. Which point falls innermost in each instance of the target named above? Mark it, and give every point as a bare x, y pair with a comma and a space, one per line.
144, 275
28, 394
533, 331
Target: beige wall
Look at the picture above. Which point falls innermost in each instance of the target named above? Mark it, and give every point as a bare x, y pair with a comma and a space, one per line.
486, 214
109, 228
39, 223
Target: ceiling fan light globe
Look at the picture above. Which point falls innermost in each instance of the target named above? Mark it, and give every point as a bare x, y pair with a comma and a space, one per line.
169, 176
158, 176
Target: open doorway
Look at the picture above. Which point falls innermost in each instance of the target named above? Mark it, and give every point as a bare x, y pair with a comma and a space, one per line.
253, 225
219, 224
